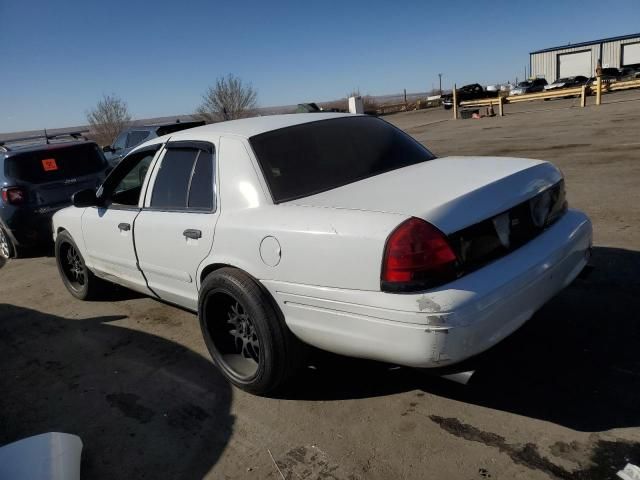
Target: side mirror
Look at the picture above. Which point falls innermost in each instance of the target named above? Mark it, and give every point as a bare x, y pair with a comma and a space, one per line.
85, 198
108, 149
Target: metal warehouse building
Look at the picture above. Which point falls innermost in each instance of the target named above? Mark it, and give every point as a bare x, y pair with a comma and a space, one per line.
582, 58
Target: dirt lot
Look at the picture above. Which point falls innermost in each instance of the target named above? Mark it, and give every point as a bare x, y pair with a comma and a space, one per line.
559, 399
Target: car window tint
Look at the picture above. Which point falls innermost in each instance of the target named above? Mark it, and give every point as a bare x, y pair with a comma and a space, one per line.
172, 182
201, 190
136, 137
317, 156
55, 163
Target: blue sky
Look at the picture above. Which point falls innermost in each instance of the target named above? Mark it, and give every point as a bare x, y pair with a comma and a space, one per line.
59, 57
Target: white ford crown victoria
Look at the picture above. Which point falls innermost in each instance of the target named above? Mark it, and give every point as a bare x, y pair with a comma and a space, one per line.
337, 231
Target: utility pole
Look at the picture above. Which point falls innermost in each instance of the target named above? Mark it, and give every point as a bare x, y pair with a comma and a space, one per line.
440, 77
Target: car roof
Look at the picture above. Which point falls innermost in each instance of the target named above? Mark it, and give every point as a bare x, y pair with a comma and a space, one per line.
155, 126
39, 147
249, 127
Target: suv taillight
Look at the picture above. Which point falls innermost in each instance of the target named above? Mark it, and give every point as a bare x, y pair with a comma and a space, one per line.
13, 195
417, 256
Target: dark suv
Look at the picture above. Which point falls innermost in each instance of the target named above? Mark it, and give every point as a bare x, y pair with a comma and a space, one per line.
468, 92
36, 180
134, 136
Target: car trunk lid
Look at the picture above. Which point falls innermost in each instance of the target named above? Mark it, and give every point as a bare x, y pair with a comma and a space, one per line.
451, 192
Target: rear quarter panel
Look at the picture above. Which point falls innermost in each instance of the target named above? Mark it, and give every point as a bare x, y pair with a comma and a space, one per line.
318, 246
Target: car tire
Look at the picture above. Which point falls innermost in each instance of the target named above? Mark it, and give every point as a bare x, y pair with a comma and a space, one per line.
448, 107
7, 249
245, 333
79, 280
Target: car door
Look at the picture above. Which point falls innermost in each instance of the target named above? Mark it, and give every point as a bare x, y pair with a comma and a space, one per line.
174, 231
108, 229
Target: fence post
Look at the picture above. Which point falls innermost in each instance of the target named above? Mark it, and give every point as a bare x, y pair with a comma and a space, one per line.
501, 105
455, 102
583, 96
598, 90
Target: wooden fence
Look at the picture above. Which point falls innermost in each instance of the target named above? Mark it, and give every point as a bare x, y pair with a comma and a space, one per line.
582, 92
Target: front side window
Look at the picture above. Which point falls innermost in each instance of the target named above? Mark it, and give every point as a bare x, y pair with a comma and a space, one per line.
120, 141
124, 184
313, 157
135, 138
184, 180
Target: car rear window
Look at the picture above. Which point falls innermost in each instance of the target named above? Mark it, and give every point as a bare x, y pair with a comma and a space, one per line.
305, 159
55, 163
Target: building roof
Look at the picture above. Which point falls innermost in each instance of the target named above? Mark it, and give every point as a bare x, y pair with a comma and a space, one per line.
586, 44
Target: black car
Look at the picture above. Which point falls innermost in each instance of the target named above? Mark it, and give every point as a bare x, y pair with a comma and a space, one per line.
529, 86
133, 136
473, 91
567, 82
37, 180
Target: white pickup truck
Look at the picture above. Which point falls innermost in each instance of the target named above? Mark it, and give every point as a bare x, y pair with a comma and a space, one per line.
337, 231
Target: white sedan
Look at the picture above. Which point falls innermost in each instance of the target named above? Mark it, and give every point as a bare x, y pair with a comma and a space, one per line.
332, 230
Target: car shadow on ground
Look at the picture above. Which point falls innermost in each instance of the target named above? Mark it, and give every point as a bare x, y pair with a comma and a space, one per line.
576, 363
144, 407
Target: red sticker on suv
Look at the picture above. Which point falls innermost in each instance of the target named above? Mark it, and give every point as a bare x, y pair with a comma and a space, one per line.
49, 164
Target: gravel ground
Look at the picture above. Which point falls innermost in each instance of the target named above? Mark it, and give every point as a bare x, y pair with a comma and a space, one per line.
559, 399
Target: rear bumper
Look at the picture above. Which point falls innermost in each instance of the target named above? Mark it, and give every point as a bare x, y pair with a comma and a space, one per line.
31, 227
448, 324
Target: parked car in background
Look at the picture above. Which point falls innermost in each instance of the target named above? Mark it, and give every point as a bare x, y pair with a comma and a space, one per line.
530, 86
567, 82
629, 73
134, 136
275, 231
473, 91
37, 180
611, 74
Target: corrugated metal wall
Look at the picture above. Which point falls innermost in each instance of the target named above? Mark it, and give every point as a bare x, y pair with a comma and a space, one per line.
546, 64
612, 52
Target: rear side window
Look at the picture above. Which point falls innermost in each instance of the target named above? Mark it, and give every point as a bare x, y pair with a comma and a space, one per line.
184, 180
314, 157
136, 137
55, 163
201, 191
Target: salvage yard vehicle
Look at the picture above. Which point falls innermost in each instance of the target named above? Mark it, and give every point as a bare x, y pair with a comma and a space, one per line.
38, 179
567, 82
468, 92
530, 86
337, 231
131, 137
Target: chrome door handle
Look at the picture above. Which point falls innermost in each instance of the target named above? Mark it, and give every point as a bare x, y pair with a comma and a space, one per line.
192, 233
124, 227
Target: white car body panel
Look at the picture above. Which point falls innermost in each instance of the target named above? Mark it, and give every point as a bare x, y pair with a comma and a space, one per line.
320, 256
450, 192
446, 324
110, 250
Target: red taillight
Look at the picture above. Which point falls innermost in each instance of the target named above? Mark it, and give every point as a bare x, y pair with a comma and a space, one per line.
13, 195
417, 256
